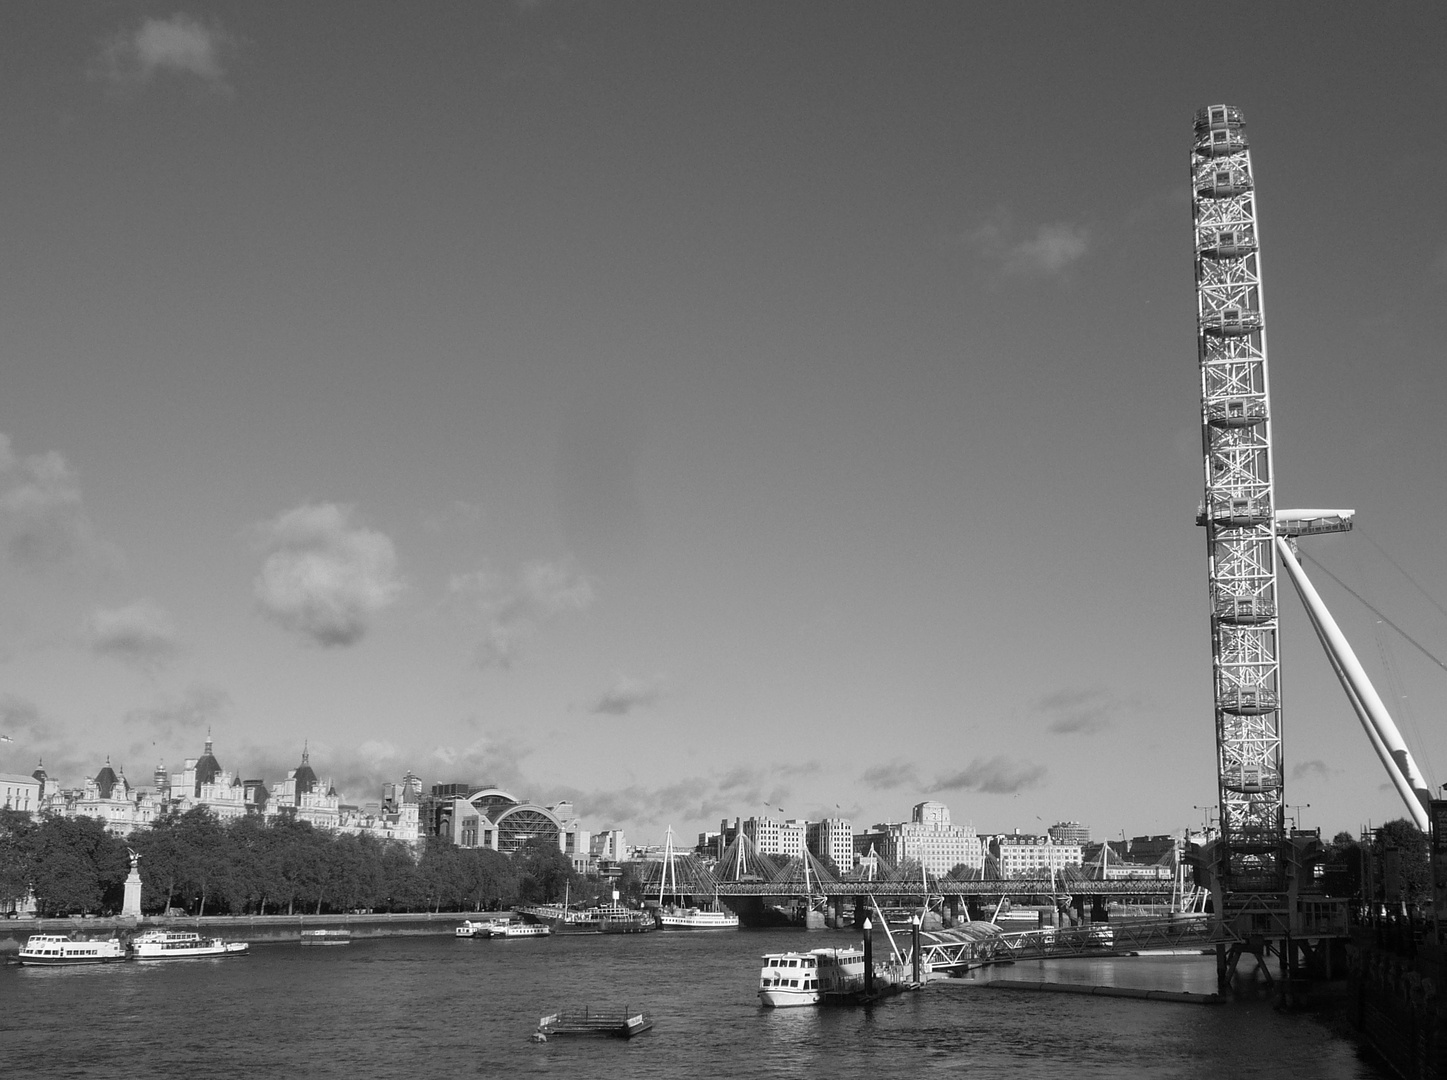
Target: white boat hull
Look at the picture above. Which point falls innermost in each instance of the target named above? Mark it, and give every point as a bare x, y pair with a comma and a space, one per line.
53, 950
781, 998
698, 920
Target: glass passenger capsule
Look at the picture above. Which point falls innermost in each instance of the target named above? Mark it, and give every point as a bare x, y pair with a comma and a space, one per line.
1236, 412
1214, 181
1227, 244
1230, 322
1221, 142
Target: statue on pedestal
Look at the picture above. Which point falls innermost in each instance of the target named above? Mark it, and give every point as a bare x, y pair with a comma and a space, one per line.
131, 906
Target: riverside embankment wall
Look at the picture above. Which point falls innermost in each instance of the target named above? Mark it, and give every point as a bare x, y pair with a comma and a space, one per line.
255, 928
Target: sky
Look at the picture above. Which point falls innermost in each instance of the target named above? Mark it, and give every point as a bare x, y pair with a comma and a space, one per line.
701, 410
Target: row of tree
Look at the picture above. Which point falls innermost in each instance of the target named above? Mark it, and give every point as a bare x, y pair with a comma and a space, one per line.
194, 862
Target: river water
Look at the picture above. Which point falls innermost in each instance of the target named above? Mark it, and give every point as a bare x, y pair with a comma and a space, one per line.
421, 1007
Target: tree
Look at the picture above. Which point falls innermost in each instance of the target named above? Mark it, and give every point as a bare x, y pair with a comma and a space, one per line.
1403, 853
544, 873
76, 863
17, 856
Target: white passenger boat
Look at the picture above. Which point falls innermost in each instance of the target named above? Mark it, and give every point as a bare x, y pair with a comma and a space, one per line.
696, 919
481, 928
841, 976
181, 945
790, 978
52, 950
673, 917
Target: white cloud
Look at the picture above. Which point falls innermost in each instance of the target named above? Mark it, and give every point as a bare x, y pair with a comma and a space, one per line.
141, 634
325, 577
180, 45
995, 776
43, 521
1051, 249
627, 694
181, 718
893, 775
1086, 711
508, 611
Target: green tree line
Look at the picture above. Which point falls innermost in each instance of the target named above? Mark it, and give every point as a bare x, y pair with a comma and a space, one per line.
251, 866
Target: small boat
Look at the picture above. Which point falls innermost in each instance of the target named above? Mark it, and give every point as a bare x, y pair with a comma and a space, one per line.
53, 950
617, 1023
181, 945
521, 929
326, 937
790, 978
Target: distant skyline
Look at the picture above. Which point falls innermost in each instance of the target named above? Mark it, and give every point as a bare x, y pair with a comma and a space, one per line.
693, 410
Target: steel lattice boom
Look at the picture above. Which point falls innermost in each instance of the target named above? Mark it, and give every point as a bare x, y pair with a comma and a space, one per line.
1237, 511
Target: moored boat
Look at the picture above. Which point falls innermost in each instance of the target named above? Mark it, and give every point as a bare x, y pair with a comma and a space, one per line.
843, 980
181, 945
54, 950
326, 937
788, 979
676, 918
521, 929
480, 929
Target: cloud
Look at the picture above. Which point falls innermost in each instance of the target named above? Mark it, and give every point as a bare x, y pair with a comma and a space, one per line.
1051, 249
35, 738
507, 611
627, 694
995, 776
1084, 711
140, 634
739, 791
325, 577
893, 775
180, 45
43, 522
181, 719
1315, 769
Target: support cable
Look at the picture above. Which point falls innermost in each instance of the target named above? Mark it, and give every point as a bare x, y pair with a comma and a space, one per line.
1376, 611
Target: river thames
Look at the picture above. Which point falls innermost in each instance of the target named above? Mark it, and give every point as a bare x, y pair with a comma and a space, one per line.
439, 1006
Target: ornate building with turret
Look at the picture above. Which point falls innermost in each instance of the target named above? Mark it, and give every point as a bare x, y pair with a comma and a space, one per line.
202, 782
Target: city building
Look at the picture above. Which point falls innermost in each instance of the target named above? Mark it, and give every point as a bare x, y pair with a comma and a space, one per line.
772, 837
19, 792
1028, 855
303, 796
928, 838
492, 818
1069, 832
833, 838
610, 845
